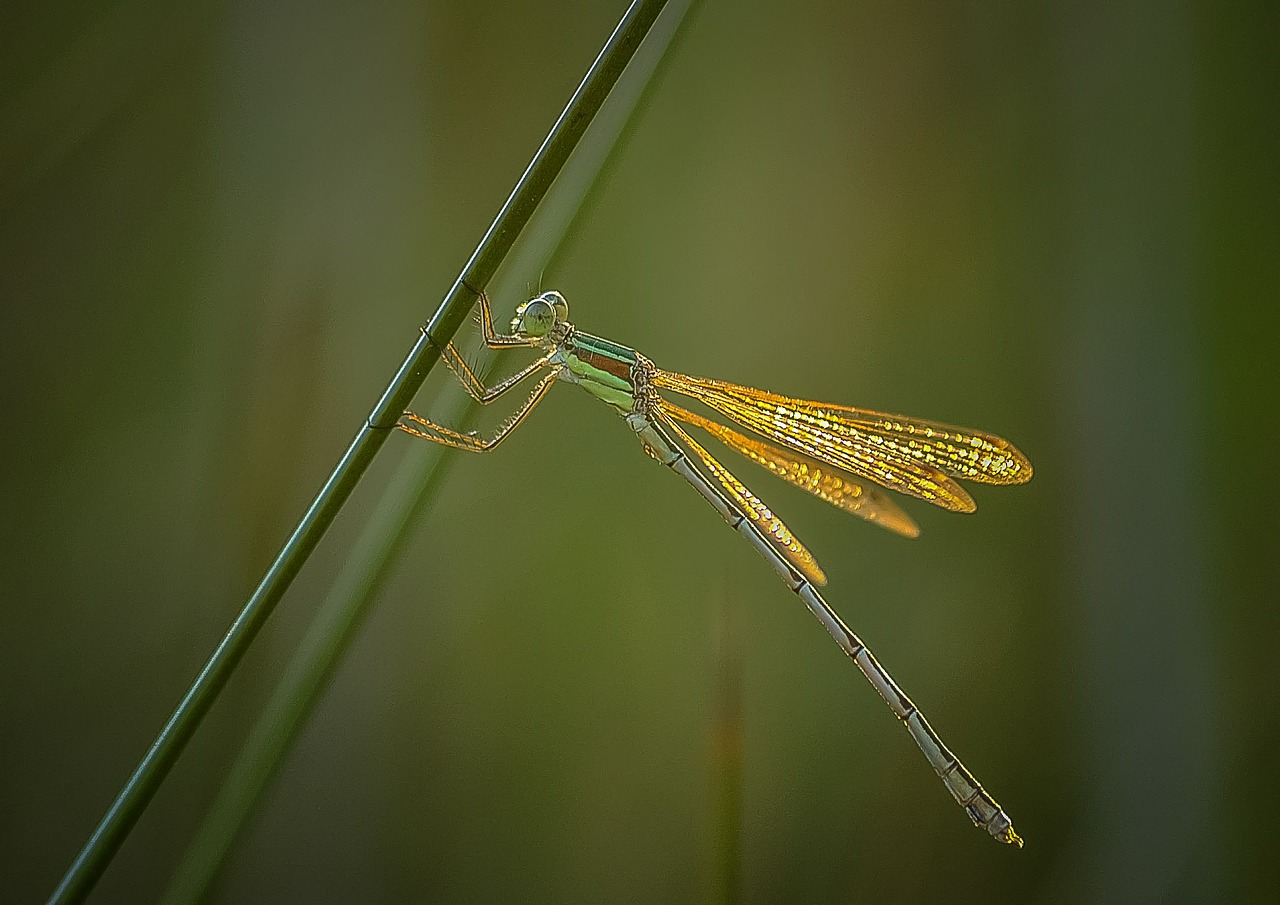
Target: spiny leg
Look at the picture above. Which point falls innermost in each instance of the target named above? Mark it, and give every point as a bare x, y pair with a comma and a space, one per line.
458, 366
492, 338
471, 442
475, 387
462, 372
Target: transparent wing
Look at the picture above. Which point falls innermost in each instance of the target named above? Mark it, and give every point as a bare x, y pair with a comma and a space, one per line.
910, 455
823, 481
778, 534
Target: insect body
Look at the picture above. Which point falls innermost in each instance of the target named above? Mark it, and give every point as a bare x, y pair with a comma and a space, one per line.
834, 452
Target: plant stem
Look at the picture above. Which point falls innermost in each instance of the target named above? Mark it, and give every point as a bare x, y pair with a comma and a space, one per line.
422, 358
340, 616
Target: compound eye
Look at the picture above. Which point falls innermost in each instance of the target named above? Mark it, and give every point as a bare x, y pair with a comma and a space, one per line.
537, 317
558, 304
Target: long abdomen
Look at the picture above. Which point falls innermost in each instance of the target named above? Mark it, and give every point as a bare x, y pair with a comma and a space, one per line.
968, 793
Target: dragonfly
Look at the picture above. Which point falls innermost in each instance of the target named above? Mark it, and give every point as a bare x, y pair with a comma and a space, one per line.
839, 454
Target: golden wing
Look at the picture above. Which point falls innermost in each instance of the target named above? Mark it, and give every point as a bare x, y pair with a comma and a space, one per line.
909, 455
754, 508
825, 482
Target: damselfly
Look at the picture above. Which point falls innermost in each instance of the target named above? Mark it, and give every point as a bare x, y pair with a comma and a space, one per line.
832, 451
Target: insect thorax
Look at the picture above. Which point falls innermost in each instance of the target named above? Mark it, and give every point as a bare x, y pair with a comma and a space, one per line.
646, 395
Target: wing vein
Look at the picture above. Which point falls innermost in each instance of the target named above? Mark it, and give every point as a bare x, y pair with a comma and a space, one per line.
827, 482
804, 427
751, 506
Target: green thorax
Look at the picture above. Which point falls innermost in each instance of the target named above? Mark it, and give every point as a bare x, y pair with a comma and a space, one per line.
602, 368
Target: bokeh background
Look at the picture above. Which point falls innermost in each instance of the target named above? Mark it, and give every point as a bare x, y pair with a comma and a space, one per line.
220, 227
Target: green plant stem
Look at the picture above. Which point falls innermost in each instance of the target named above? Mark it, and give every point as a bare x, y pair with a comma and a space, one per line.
306, 676
419, 473
138, 791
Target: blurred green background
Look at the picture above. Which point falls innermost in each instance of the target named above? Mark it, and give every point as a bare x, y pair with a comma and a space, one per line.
220, 227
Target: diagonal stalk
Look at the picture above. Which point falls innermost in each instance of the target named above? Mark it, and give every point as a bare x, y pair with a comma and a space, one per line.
419, 474
726, 761
550, 158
